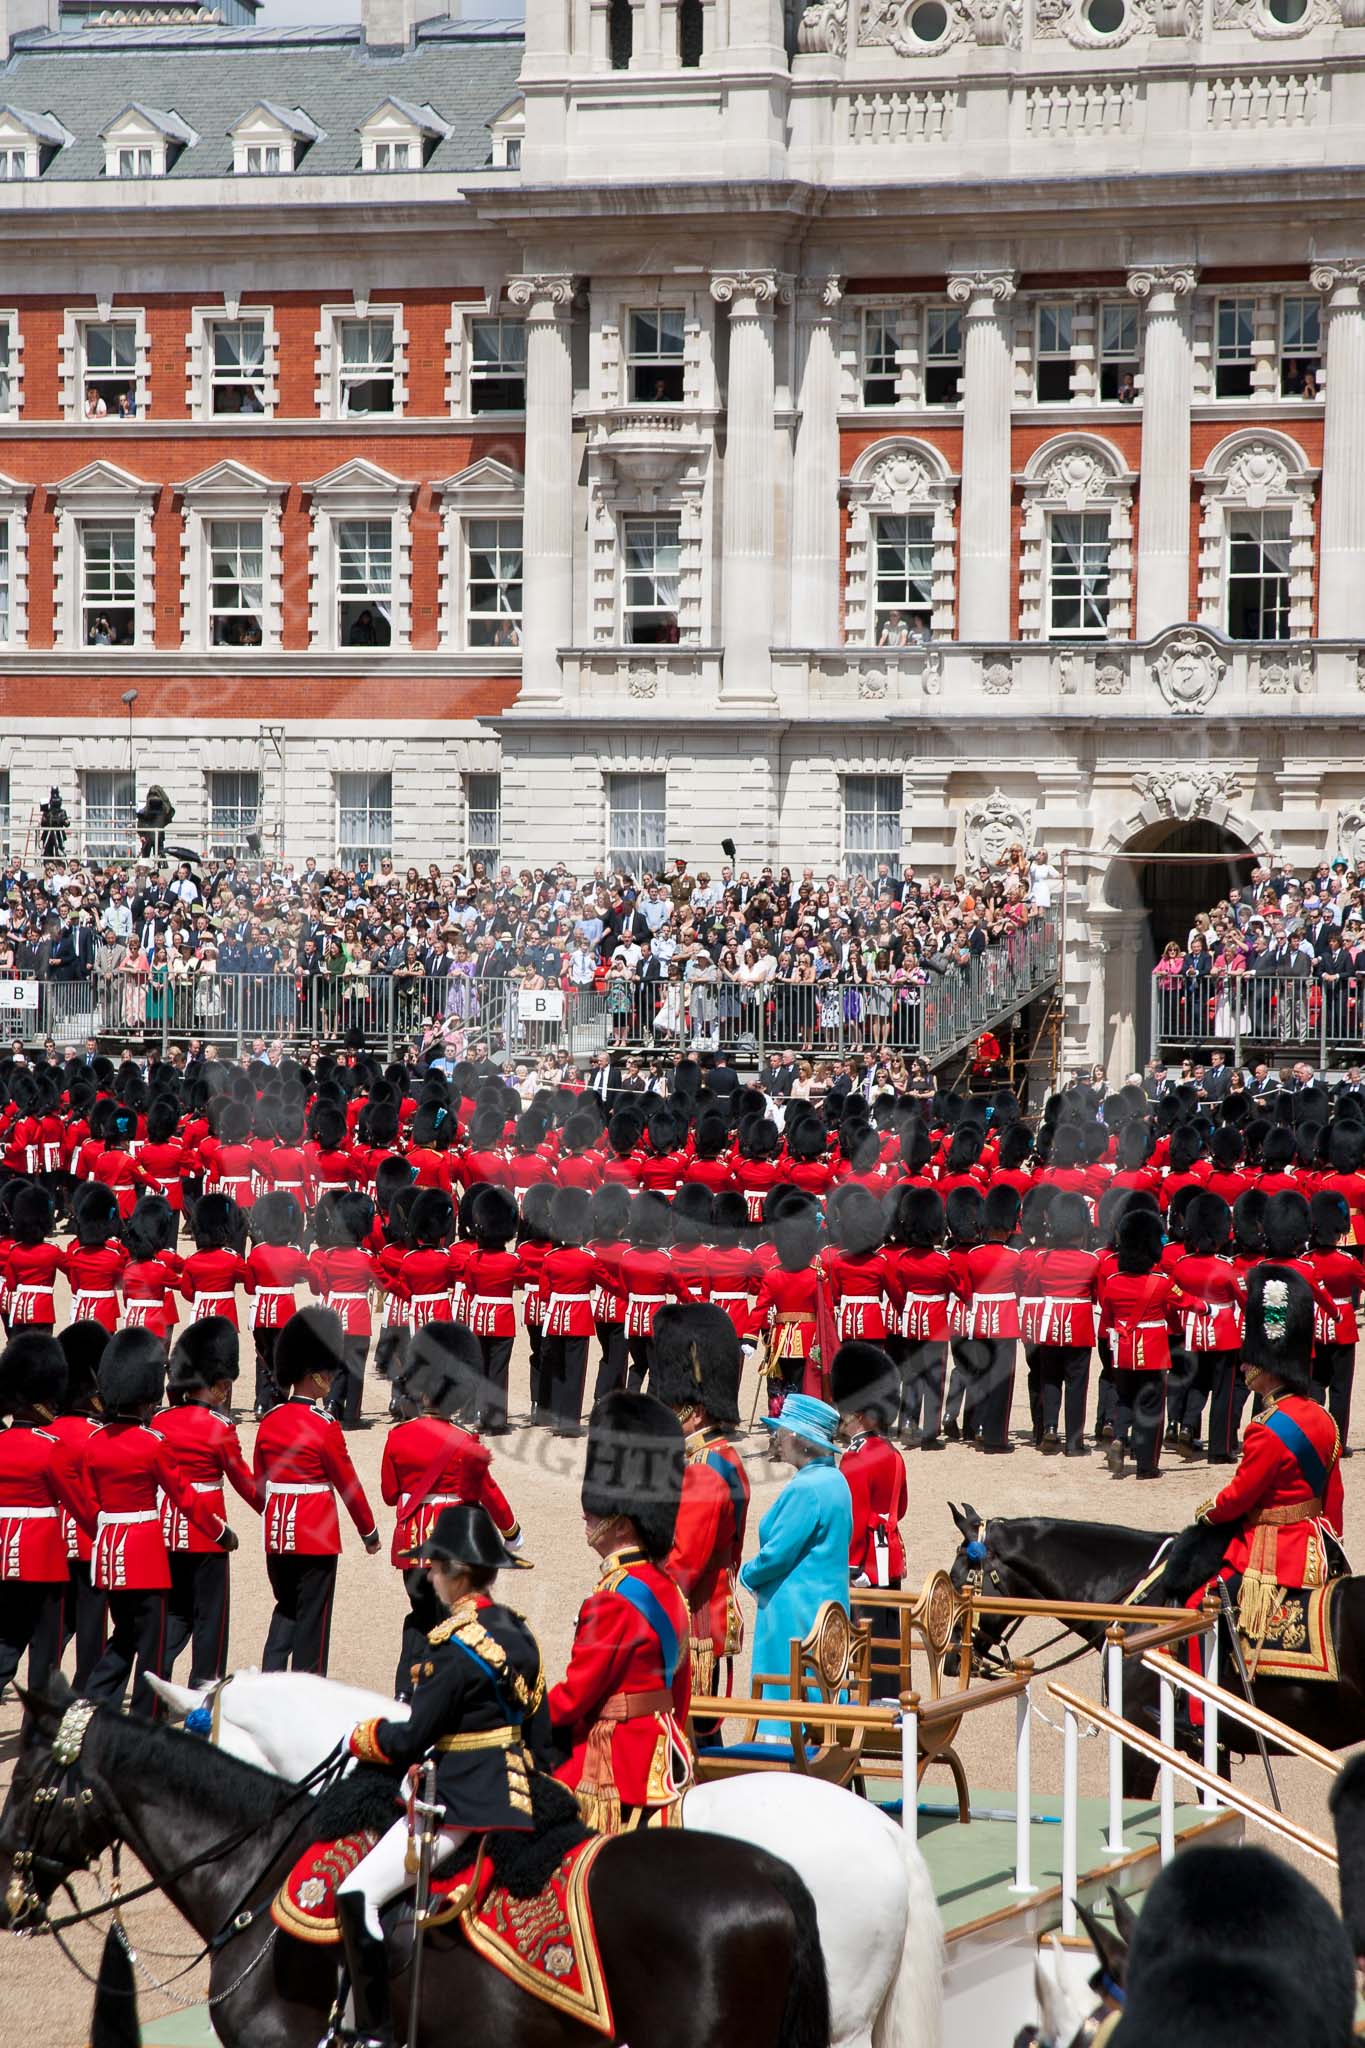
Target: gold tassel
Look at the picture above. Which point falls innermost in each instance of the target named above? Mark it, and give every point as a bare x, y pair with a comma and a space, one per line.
1259, 1596
599, 1800
703, 1664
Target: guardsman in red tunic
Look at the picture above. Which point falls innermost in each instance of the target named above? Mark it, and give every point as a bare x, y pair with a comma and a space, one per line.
621, 1708
95, 1261
80, 1416
923, 1285
41, 1479
276, 1266
301, 1463
153, 1267
1341, 1277
696, 1374
131, 1466
1136, 1296
199, 1387
163, 1162
433, 1462
568, 1274
855, 1266
343, 1273
1282, 1507
32, 1264
785, 1310
1207, 1300
1062, 1279
213, 1272
609, 1222
492, 1275
866, 1389
990, 1273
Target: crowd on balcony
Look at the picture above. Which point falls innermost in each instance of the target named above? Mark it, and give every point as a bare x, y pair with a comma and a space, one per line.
669, 955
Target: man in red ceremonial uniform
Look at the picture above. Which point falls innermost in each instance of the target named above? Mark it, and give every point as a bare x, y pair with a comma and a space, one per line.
131, 1466
199, 1386
696, 1374
622, 1705
81, 1415
40, 1479
1135, 1307
301, 1463
568, 1275
433, 1462
866, 1388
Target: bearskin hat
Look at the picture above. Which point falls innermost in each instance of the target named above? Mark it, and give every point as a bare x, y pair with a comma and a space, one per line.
1279, 1151
94, 1212
433, 1126
863, 1379
431, 1218
692, 1204
1208, 1225
1346, 1147
796, 1239
33, 1373
806, 1142
311, 1341
391, 1176
1138, 1240
1187, 1142
1226, 1148
1000, 1211
696, 1361
1015, 1146
204, 1353
649, 1221
1279, 1324
920, 1218
537, 1204
151, 1228
1248, 1223
444, 1368
1329, 1216
1288, 1225
964, 1211
83, 1347
1068, 1220
132, 1372
635, 1467
494, 1217
625, 1129
570, 1215
610, 1212
858, 1224
217, 1223
31, 1215
276, 1218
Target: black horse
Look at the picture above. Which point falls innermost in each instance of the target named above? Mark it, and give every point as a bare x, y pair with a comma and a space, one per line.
705, 1941
1038, 1557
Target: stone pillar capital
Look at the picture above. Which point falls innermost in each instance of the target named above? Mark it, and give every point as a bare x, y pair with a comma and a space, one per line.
543, 295
817, 298
750, 294
1341, 283
1162, 285
982, 292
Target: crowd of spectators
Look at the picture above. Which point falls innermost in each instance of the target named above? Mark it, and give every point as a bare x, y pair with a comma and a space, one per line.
676, 956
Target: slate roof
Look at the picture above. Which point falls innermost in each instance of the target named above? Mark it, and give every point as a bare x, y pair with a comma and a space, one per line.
210, 76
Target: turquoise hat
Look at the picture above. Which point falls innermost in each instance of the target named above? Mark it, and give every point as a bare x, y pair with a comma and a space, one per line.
815, 1422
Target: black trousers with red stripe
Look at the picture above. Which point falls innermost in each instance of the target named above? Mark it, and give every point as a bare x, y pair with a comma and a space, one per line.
1063, 1377
1334, 1369
611, 1366
83, 1616
988, 1367
137, 1635
30, 1619
300, 1632
348, 1383
1140, 1414
496, 1354
198, 1612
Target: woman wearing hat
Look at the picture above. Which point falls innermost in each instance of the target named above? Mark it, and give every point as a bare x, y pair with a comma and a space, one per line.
478, 1702
804, 1543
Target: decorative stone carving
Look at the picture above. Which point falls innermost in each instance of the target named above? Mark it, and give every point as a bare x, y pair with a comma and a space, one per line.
997, 677
762, 287
1068, 677
1336, 275
823, 30
1351, 833
1057, 18
932, 673
872, 683
1360, 668
1178, 278
642, 681
1250, 17
1286, 671
1188, 670
901, 475
1188, 791
991, 828
1257, 473
1175, 17
1075, 478
1111, 675
996, 22
553, 292
967, 285
883, 22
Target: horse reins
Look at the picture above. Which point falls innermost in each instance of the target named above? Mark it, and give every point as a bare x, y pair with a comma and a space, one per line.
983, 1567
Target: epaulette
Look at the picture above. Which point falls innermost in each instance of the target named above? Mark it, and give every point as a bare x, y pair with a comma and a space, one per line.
609, 1581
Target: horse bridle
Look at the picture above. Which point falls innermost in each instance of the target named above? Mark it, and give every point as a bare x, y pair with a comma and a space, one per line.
982, 1567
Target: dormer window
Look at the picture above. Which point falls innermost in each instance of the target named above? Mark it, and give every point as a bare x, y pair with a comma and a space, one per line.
144, 142
268, 140
28, 143
14, 165
400, 137
134, 163
265, 159
508, 126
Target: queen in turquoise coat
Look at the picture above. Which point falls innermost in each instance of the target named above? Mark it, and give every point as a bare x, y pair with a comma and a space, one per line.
804, 1541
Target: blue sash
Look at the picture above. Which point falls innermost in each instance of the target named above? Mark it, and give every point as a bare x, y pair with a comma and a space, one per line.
650, 1610
734, 1485
1300, 1449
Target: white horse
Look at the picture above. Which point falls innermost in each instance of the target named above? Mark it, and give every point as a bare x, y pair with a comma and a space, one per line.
879, 1921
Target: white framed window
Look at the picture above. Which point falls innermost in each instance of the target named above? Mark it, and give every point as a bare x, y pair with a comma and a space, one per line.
10, 352
134, 163
1052, 356
238, 379
267, 139
4, 814
234, 806
364, 817
399, 136
656, 337
872, 806
493, 583
366, 382
108, 556
6, 614
1233, 359
144, 142
483, 819
236, 582
108, 814
651, 547
109, 369
511, 153
637, 823
1078, 545
364, 582
14, 165
942, 355
395, 156
903, 571
497, 366
1258, 574
879, 369
1118, 352
266, 159
1301, 348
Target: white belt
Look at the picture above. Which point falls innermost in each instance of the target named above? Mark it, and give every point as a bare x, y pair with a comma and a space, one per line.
334, 1187
941, 1299
436, 1500
647, 1297
718, 1299
278, 1486
992, 1297
96, 1294
278, 1290
427, 1298
495, 1300
564, 1300
346, 1297
289, 1187
124, 1518
206, 1486
28, 1514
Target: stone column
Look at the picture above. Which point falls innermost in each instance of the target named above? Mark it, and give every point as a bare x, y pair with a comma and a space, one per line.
815, 482
548, 506
983, 556
1341, 533
1163, 564
747, 508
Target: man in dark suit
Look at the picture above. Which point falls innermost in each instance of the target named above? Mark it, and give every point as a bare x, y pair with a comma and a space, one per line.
1217, 1075
604, 1081
778, 1076
719, 1076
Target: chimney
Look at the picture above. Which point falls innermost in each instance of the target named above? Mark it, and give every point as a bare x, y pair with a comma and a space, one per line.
389, 24
18, 15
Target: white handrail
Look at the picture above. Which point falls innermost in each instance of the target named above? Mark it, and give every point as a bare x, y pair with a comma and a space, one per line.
1023, 1796
1245, 1711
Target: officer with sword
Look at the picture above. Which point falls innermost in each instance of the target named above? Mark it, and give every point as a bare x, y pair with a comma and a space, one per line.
478, 1713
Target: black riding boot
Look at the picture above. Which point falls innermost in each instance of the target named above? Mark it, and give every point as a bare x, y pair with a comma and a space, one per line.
368, 1969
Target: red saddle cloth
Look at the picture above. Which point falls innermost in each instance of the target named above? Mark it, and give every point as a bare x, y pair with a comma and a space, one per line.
546, 1945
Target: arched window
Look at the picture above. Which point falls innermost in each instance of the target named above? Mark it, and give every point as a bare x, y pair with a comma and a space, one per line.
1076, 542
690, 34
621, 30
900, 562
1256, 538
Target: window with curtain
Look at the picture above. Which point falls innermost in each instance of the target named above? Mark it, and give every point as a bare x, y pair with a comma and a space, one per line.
4, 582
364, 818
1052, 358
234, 811
109, 368
108, 583
637, 823
364, 582
108, 805
1077, 575
493, 593
1301, 348
237, 366
1258, 575
497, 366
483, 819
881, 339
236, 551
1234, 333
7, 390
654, 355
1118, 352
650, 599
942, 355
4, 813
365, 367
903, 568
872, 823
